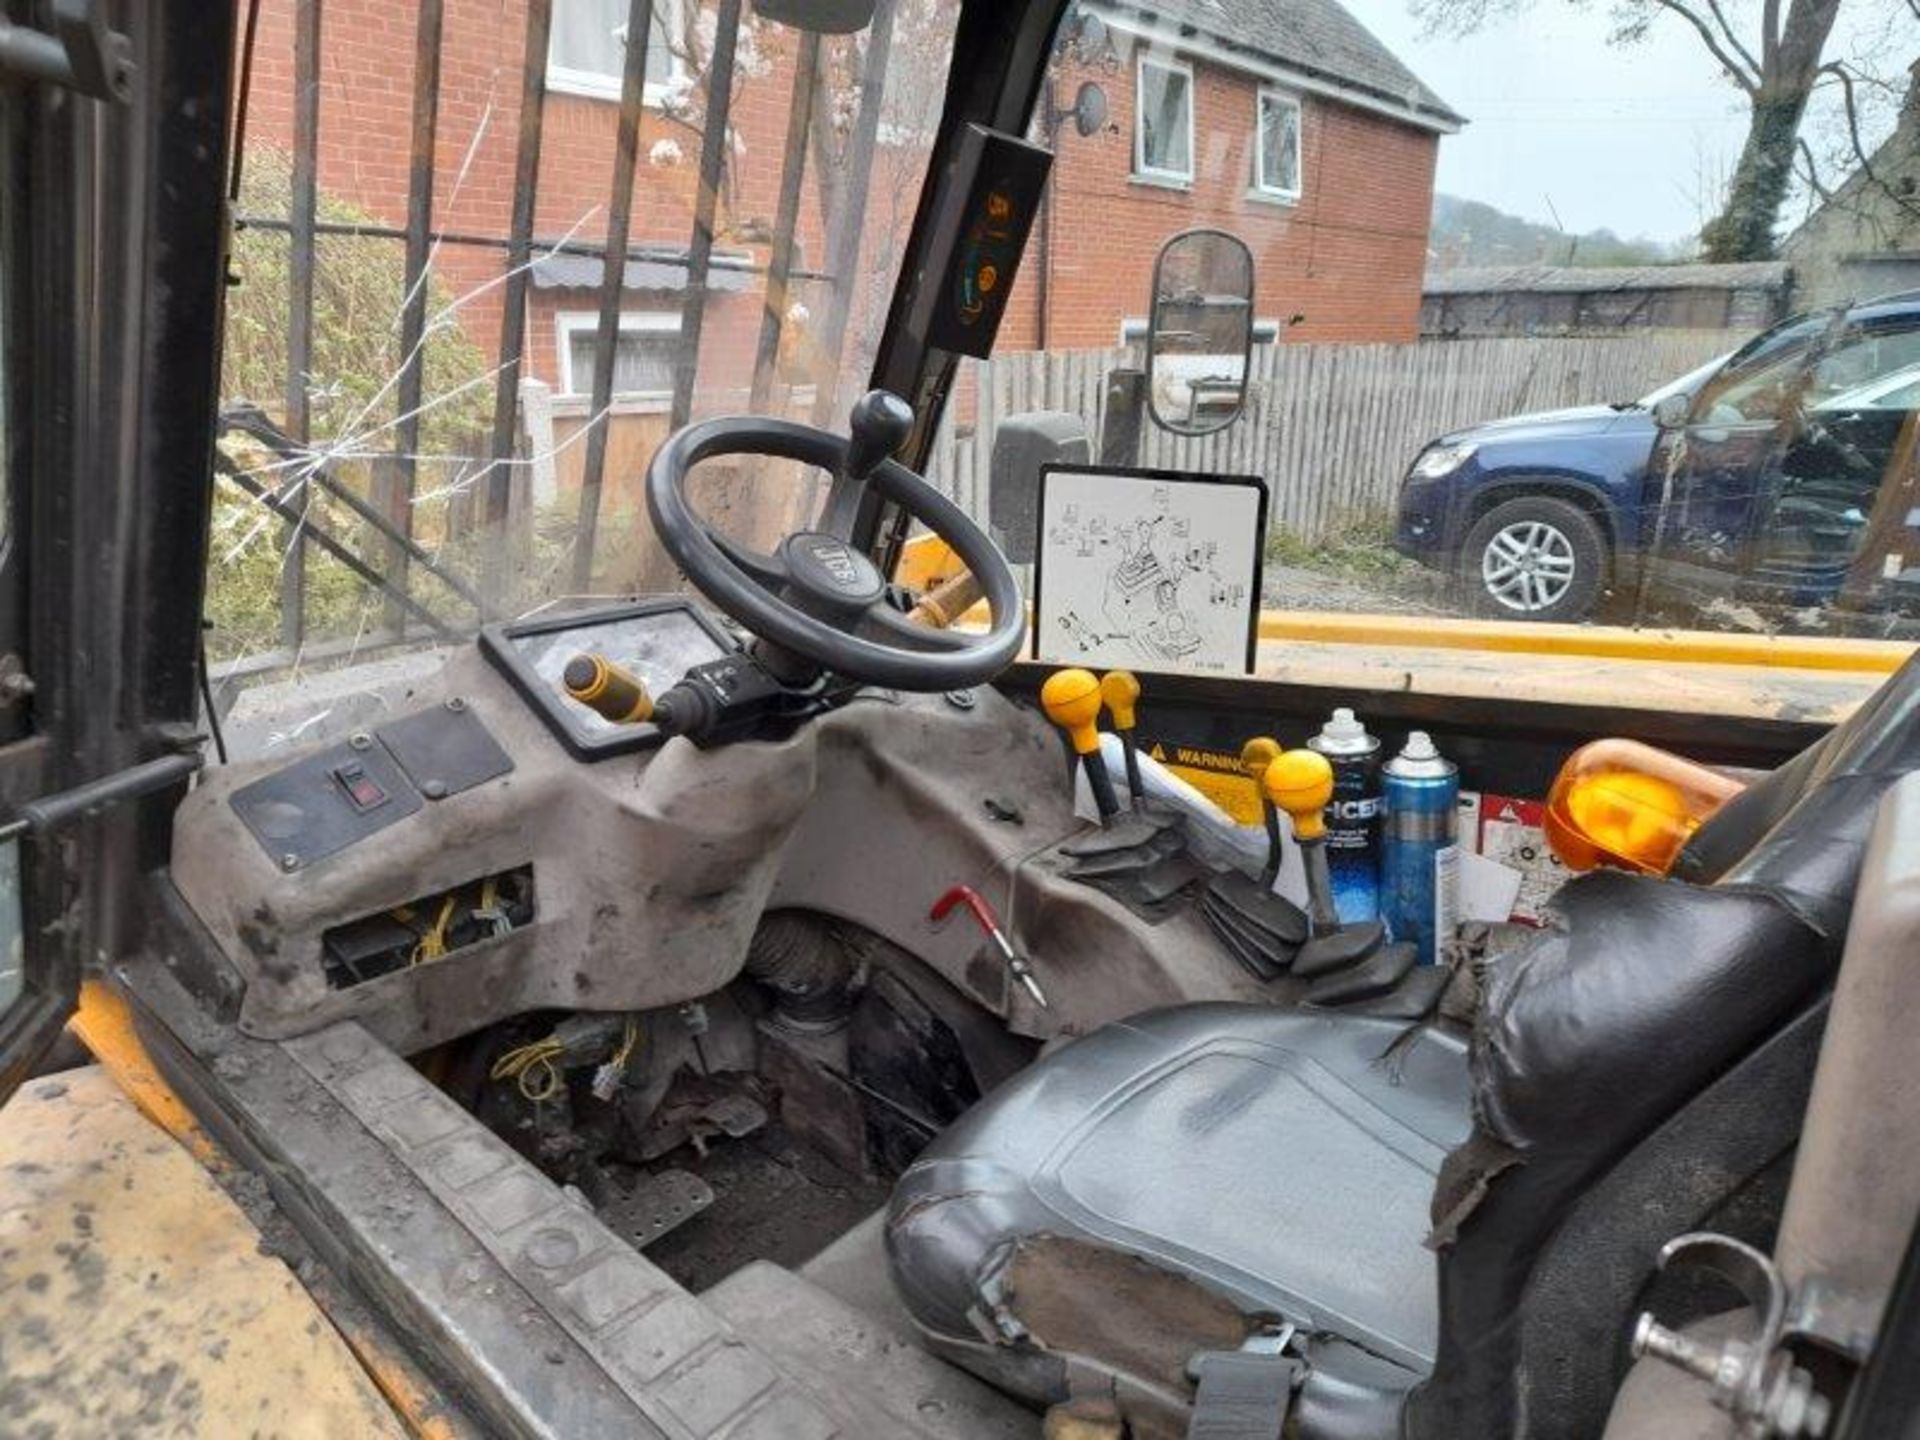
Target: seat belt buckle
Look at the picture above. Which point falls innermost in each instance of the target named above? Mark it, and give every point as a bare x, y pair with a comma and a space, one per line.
1245, 1394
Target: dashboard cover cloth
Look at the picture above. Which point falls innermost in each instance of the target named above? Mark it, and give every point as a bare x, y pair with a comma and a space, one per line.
1281, 1159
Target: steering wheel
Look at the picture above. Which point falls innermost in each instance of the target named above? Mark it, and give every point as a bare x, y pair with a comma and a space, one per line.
817, 596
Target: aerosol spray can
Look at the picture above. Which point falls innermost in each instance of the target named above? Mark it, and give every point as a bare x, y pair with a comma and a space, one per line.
1353, 816
1419, 849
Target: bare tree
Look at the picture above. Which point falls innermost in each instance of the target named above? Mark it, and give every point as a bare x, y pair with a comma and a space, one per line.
1774, 64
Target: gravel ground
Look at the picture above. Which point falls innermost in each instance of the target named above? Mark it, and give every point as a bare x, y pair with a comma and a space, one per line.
1295, 587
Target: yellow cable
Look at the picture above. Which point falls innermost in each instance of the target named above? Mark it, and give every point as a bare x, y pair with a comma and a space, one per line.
627, 1043
531, 1067
433, 944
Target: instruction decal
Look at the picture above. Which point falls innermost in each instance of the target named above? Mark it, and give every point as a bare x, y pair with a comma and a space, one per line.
1151, 569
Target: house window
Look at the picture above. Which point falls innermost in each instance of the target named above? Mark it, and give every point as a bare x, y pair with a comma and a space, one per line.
1277, 146
587, 50
643, 353
1163, 120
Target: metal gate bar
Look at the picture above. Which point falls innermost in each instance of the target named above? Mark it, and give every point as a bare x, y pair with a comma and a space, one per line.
302, 204
806, 69
397, 487
513, 322
613, 278
713, 155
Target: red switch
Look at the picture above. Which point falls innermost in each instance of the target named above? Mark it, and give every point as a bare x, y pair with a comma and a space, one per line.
363, 791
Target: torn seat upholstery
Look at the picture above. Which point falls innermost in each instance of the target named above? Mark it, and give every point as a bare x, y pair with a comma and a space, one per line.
1452, 1236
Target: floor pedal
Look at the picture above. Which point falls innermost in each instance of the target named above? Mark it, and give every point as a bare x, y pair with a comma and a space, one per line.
658, 1203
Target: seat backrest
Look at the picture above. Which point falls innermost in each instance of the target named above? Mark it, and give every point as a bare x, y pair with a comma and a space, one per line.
1641, 996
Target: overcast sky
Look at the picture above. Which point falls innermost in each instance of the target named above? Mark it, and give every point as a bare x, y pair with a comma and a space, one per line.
1634, 138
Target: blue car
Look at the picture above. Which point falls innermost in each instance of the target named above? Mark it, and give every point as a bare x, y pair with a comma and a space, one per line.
1755, 477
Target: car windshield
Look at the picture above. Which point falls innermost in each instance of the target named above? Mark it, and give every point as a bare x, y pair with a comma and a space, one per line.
1688, 384
440, 395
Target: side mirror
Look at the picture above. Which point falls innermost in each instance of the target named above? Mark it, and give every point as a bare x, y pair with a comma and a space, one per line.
823, 17
1670, 411
1200, 334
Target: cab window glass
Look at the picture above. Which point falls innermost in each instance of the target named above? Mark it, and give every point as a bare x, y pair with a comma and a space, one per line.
1455, 369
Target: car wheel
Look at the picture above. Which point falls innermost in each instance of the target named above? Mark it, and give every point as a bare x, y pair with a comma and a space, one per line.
1535, 558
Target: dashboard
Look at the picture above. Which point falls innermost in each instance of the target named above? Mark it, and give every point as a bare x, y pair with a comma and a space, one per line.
658, 640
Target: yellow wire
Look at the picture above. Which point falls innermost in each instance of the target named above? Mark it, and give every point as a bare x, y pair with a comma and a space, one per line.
433, 944
627, 1043
531, 1067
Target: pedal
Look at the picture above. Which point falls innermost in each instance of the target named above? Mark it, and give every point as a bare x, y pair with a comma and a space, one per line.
658, 1203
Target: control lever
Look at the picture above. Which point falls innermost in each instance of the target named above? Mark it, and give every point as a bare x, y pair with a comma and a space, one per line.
985, 918
1071, 700
611, 692
1255, 756
1120, 689
1300, 782
879, 425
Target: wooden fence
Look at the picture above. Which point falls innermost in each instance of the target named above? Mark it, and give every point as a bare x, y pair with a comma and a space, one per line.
1332, 428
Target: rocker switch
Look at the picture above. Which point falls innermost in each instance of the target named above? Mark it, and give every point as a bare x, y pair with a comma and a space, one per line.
363, 791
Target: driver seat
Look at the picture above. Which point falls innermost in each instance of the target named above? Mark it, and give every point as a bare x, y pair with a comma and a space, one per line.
1441, 1227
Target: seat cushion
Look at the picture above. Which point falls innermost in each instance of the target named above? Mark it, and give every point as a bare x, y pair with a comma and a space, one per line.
1282, 1161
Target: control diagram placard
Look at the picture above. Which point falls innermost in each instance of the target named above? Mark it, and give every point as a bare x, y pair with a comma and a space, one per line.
1150, 569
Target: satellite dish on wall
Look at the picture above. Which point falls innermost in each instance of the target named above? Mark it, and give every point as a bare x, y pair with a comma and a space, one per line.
822, 17
1089, 109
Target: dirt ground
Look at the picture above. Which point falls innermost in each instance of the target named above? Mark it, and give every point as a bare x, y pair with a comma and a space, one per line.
1297, 587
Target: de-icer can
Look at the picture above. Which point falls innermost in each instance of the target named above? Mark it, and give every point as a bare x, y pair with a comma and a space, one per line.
1353, 815
1419, 846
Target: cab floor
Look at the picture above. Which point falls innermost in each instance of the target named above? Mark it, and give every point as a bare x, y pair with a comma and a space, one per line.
775, 1199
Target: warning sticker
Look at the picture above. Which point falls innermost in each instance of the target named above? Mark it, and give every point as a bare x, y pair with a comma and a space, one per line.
1510, 832
1216, 774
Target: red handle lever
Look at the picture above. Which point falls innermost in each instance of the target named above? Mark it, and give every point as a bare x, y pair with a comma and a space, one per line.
966, 895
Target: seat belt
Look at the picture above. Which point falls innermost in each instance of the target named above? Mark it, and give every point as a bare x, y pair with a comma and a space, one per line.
1244, 1394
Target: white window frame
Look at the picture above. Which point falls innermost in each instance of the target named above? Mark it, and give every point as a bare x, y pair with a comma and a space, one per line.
1154, 174
568, 323
1263, 97
597, 85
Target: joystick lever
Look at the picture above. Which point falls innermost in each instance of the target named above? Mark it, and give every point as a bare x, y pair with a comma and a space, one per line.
1120, 692
1300, 782
1071, 700
1255, 756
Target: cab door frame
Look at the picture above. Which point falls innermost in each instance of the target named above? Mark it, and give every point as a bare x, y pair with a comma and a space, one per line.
113, 267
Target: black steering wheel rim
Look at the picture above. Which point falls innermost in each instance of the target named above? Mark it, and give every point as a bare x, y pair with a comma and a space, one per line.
723, 580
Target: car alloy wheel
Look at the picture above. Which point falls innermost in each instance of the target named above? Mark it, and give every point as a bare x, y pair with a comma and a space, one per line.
1528, 566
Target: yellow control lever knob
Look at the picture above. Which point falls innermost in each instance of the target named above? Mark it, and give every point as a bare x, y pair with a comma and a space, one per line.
1120, 689
1071, 699
1257, 754
609, 691
1300, 782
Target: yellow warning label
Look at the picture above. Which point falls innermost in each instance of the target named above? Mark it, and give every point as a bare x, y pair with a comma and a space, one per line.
1217, 775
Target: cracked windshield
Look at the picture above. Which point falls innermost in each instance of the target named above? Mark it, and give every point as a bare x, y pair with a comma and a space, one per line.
1503, 314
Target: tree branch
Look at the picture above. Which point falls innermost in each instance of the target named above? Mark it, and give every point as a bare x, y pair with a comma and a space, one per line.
1812, 174
1733, 40
1862, 159
1746, 80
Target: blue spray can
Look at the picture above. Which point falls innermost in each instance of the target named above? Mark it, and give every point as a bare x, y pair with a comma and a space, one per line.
1419, 846
1353, 815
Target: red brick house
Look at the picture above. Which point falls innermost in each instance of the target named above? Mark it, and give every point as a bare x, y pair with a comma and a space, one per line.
1284, 121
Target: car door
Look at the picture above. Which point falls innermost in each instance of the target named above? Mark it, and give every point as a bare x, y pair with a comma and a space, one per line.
1703, 479
1849, 439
